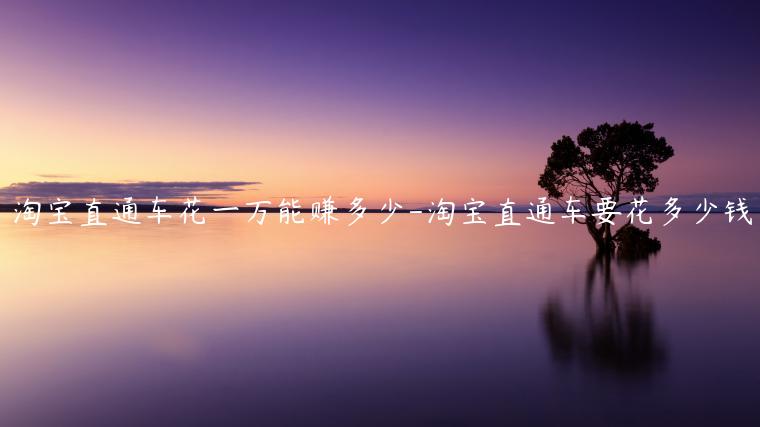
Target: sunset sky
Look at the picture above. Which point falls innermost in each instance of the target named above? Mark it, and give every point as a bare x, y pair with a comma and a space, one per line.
386, 100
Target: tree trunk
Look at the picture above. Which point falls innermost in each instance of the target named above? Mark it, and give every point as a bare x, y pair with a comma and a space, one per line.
609, 244
602, 237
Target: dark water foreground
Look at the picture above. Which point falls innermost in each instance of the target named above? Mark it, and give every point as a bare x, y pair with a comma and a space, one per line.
401, 324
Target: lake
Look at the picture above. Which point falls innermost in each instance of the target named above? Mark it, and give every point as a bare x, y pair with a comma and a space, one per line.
406, 323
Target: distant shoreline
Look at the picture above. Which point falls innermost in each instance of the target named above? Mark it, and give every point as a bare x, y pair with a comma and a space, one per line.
174, 208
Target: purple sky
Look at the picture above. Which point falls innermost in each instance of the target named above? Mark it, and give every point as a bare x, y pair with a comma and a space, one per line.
459, 79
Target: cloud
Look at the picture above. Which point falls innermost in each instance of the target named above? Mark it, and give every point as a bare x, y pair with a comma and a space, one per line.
138, 190
308, 197
56, 176
691, 201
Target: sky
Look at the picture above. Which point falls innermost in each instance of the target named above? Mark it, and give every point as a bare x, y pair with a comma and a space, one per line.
410, 100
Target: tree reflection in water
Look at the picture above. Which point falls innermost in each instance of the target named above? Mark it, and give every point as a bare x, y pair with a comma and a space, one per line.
611, 333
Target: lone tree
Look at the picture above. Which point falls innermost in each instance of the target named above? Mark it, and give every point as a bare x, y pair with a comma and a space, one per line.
611, 161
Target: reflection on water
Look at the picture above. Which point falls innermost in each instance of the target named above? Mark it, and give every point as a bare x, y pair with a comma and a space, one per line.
613, 332
406, 323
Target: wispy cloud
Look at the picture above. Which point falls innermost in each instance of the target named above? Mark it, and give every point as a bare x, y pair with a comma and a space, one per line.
56, 176
139, 190
691, 201
308, 197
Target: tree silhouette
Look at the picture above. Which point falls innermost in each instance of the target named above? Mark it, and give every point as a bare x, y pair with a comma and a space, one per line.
610, 161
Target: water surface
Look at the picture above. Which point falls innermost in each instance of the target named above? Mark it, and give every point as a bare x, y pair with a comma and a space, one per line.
407, 323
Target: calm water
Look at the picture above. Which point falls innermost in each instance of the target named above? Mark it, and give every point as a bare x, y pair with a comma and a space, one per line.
399, 324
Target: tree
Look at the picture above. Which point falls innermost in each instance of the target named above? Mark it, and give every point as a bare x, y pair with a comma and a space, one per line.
610, 161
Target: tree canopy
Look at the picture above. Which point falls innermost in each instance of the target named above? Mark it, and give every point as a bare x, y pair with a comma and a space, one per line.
608, 161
